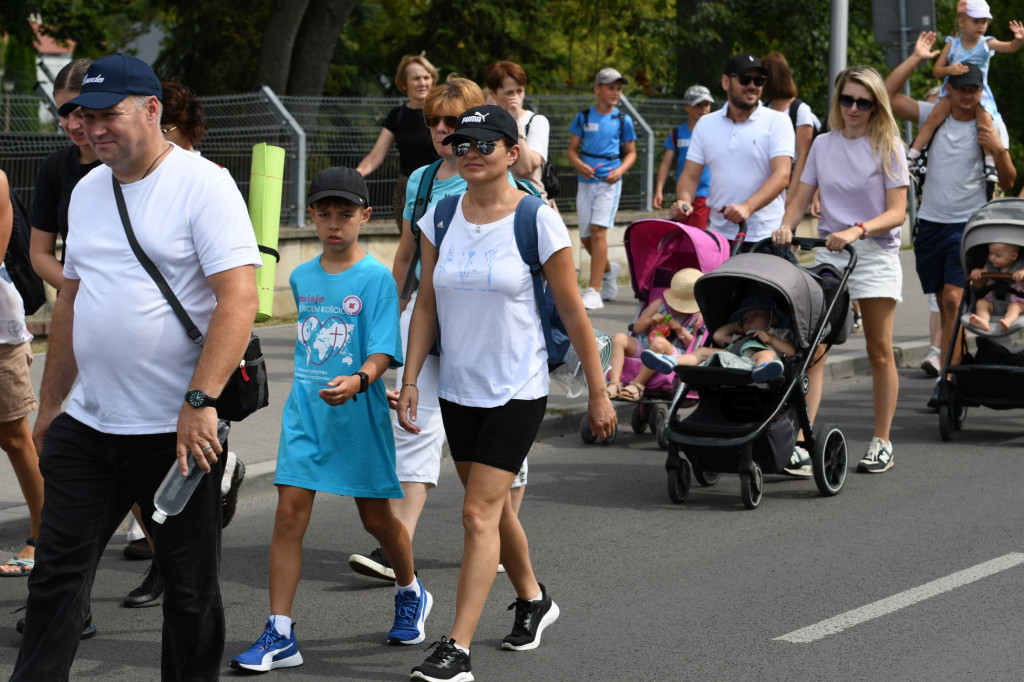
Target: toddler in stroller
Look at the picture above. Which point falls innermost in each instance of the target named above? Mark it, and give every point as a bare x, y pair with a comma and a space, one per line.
667, 325
753, 339
1002, 295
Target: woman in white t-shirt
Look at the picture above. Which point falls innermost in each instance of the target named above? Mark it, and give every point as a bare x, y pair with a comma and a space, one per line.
493, 381
506, 87
861, 169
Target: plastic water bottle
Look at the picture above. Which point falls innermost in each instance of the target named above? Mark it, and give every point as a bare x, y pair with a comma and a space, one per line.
173, 494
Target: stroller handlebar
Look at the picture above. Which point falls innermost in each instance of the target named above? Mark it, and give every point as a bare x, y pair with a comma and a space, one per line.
808, 244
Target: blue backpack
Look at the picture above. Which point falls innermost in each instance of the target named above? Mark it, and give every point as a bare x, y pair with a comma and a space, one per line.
555, 337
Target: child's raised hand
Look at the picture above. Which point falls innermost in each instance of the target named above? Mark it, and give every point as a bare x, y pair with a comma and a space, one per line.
976, 274
1017, 29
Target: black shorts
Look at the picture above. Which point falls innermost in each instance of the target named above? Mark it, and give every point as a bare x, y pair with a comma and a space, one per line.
496, 436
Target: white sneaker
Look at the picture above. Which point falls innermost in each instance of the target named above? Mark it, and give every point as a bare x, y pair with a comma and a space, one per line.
591, 299
610, 283
932, 363
799, 463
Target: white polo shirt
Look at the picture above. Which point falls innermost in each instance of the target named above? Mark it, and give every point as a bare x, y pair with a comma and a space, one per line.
739, 156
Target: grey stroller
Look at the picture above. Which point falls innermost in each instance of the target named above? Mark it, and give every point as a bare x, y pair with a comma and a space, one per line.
747, 428
993, 376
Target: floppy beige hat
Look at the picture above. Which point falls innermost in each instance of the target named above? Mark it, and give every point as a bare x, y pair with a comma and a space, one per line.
680, 294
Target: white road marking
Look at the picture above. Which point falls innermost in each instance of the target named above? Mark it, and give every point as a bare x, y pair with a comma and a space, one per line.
883, 607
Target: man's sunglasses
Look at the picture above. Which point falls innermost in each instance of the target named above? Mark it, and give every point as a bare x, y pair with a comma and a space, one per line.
449, 121
847, 101
747, 79
462, 148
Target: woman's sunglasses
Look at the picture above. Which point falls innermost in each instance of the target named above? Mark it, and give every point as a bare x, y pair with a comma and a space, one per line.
847, 101
449, 121
747, 79
462, 148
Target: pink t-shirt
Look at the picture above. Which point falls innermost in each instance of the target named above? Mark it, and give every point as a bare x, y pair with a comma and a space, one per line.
851, 183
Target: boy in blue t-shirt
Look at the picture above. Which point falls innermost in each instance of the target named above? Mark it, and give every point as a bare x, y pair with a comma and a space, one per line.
697, 102
336, 428
602, 148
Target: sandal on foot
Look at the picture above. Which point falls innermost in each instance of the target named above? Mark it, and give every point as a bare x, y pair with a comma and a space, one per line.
24, 567
632, 392
614, 388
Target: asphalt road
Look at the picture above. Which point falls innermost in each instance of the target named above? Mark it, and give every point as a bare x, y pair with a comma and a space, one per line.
910, 575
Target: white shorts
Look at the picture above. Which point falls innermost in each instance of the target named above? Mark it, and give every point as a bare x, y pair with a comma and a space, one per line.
520, 480
596, 204
878, 273
418, 456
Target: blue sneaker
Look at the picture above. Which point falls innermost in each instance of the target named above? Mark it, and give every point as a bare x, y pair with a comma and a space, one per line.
767, 371
665, 364
271, 650
411, 613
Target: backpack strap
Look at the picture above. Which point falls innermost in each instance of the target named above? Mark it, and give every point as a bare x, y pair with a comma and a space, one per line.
418, 209
526, 132
526, 239
443, 214
793, 106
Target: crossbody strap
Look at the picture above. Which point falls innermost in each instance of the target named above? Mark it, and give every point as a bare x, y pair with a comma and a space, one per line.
190, 328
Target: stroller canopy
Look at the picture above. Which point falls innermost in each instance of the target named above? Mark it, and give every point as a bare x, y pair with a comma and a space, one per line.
653, 244
793, 289
1001, 220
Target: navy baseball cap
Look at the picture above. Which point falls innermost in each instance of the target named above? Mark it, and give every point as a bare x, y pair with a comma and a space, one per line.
110, 79
488, 123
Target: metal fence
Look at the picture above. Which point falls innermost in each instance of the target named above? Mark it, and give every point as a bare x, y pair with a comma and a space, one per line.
319, 132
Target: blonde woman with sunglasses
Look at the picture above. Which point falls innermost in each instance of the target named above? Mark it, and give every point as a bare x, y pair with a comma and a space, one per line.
861, 169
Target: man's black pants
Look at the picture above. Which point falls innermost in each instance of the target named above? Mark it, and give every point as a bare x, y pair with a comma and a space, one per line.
91, 480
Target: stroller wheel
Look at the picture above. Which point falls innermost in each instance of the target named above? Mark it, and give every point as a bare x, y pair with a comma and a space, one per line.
679, 482
945, 422
751, 487
639, 420
585, 433
829, 459
662, 433
706, 478
657, 415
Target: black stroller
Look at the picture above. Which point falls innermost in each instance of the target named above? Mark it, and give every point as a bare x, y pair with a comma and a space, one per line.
747, 428
993, 376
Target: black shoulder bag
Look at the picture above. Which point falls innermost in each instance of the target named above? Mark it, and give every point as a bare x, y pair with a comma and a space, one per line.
247, 389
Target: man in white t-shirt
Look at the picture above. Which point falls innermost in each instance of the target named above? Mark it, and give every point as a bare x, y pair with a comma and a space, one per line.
956, 180
145, 394
749, 149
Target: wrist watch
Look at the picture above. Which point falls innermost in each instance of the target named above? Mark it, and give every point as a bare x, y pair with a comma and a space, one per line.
197, 399
364, 381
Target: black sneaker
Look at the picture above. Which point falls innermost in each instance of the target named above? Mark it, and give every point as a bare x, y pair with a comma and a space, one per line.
444, 664
230, 501
138, 550
531, 619
149, 592
374, 566
918, 169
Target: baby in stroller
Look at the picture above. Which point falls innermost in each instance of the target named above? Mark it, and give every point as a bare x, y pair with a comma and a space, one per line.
665, 326
754, 338
1001, 258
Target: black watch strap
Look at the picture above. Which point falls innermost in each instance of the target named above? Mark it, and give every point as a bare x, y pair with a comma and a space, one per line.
364, 381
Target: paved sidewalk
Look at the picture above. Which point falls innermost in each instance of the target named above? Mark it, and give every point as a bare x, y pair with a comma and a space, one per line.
255, 439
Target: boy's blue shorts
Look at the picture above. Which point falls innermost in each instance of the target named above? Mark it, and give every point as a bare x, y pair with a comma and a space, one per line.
937, 255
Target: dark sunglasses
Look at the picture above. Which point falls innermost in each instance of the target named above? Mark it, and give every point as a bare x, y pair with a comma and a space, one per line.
485, 148
449, 121
847, 101
747, 79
